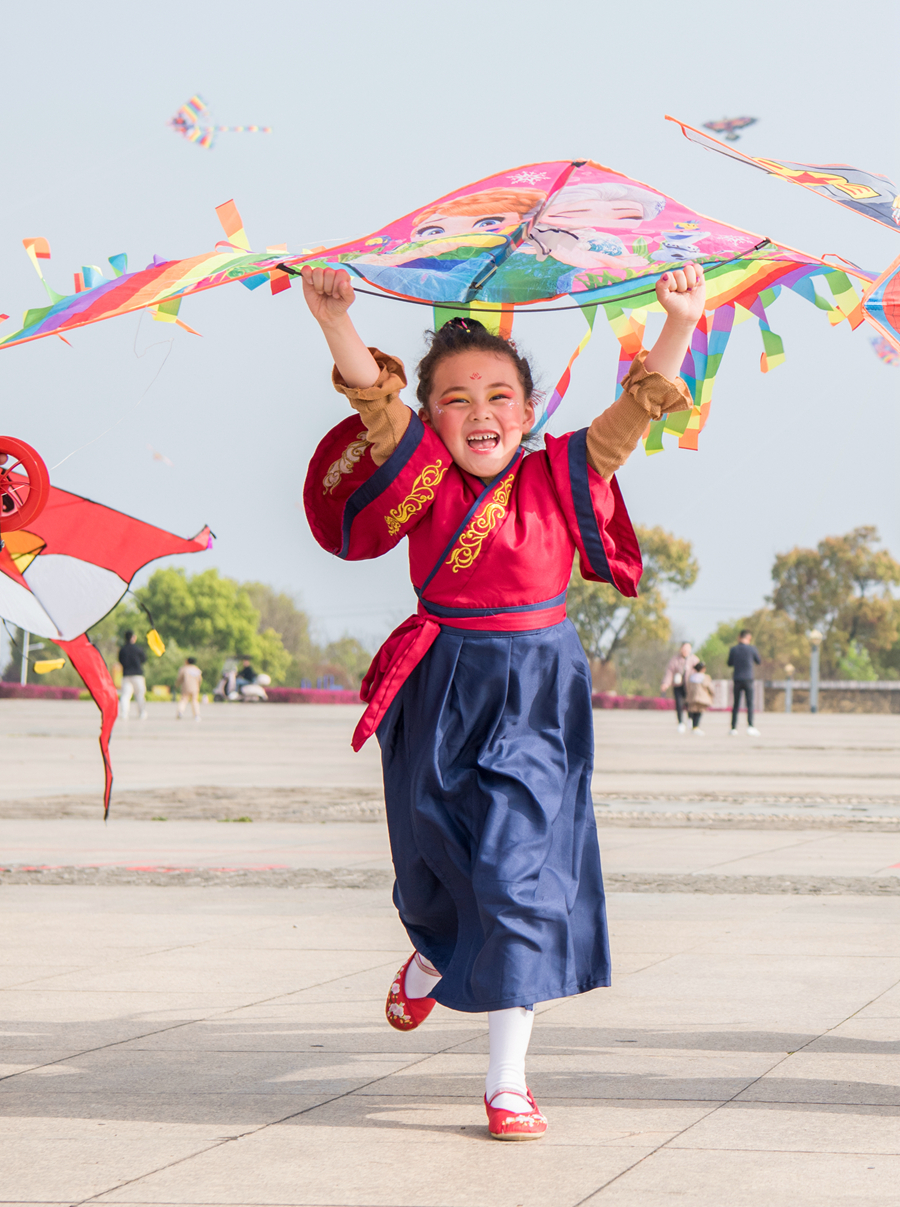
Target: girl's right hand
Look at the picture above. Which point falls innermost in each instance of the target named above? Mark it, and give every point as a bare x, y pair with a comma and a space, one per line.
329, 294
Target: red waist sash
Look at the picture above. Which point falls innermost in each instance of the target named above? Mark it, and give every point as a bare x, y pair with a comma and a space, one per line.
405, 648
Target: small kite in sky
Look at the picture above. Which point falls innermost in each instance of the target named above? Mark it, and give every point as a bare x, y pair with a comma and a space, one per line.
157, 456
884, 350
65, 562
731, 126
194, 122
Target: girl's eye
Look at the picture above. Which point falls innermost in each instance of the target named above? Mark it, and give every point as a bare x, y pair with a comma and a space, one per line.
429, 232
488, 224
501, 398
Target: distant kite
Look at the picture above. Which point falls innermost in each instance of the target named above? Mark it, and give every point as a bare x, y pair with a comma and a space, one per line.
729, 126
194, 122
885, 351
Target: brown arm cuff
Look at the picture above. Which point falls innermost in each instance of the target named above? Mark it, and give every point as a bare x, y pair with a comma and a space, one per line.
614, 435
385, 416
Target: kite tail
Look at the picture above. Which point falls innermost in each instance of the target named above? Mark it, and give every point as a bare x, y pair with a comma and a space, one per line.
88, 661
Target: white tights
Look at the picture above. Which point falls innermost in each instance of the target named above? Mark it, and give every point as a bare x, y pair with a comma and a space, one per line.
509, 1032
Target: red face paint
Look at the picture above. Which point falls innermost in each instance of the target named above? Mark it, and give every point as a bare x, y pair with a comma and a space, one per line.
475, 377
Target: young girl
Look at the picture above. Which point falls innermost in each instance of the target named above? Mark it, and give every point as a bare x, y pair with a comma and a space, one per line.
699, 695
482, 700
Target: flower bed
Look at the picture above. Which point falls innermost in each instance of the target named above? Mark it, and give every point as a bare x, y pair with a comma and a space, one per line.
311, 695
610, 700
37, 691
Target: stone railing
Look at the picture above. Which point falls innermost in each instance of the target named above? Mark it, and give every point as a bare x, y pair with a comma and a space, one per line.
837, 695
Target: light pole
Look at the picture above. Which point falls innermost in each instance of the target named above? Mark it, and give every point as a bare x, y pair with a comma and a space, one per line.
23, 670
815, 640
789, 688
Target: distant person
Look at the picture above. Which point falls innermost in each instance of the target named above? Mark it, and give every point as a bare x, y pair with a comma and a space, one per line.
132, 658
742, 657
699, 690
188, 683
675, 677
246, 675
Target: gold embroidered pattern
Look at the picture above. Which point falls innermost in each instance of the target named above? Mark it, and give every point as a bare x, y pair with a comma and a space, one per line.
344, 464
469, 545
421, 493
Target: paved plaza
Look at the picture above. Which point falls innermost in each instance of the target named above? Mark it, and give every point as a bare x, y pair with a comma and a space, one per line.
192, 1008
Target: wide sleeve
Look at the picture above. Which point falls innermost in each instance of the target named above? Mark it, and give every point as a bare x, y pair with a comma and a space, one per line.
384, 416
358, 509
614, 435
595, 514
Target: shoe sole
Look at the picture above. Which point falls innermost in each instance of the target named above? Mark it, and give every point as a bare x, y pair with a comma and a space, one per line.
518, 1135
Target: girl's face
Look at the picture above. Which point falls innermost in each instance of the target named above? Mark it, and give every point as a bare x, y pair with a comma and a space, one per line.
479, 410
464, 224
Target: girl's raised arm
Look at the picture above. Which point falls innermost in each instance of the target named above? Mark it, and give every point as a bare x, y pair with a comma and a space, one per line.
682, 294
652, 387
329, 295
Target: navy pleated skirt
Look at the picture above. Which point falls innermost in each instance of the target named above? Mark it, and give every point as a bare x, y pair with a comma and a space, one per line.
487, 753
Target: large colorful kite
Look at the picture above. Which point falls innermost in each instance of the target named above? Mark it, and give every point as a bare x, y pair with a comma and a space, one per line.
555, 235
194, 122
65, 562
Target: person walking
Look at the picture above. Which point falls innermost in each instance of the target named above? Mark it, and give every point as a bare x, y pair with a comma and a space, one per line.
676, 677
132, 658
742, 657
188, 682
699, 691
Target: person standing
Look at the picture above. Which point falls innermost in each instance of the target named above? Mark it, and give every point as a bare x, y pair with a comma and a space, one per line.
132, 658
188, 682
676, 677
742, 657
699, 696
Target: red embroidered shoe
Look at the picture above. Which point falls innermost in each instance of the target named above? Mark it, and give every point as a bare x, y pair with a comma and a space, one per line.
506, 1125
402, 1012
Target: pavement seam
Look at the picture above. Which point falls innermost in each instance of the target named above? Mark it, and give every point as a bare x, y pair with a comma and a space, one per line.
728, 1101
185, 1023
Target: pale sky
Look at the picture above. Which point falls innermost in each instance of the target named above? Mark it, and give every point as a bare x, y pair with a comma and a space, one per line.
377, 110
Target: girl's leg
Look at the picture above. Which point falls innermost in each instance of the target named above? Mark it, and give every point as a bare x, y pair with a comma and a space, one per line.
695, 719
421, 977
510, 1032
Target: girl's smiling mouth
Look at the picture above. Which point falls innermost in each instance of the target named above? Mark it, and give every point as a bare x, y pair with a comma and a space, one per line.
483, 441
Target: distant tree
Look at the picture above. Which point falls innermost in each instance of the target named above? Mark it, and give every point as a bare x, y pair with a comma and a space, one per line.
608, 624
350, 658
842, 587
279, 612
212, 618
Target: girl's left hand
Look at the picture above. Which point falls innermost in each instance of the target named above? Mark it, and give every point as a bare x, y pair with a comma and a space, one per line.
682, 294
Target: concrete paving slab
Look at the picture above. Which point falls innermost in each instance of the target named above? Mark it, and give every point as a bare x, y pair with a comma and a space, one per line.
863, 1078
795, 1127
296, 1164
745, 1179
229, 1113
88, 1165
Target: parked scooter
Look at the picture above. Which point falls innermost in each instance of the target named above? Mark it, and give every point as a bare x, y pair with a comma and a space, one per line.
241, 684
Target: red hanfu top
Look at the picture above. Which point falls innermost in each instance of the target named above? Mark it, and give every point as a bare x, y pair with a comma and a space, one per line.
495, 557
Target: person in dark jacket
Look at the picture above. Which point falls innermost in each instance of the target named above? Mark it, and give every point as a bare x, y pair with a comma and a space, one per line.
132, 658
742, 657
